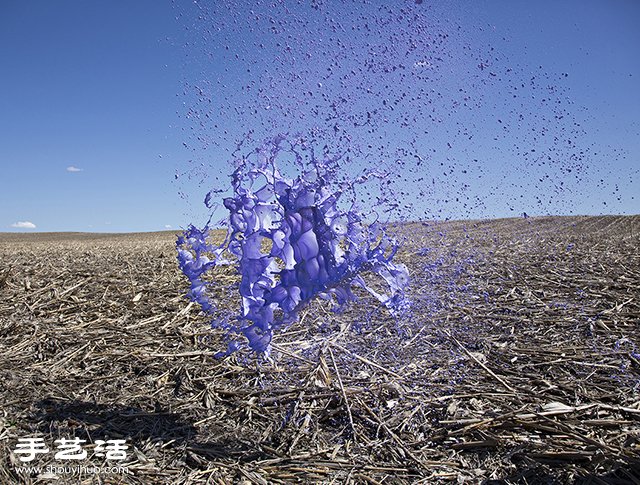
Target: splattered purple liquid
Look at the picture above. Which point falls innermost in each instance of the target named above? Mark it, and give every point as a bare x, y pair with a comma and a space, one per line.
472, 126
316, 248
459, 123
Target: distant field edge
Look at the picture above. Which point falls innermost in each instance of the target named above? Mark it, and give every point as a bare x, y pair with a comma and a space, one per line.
599, 220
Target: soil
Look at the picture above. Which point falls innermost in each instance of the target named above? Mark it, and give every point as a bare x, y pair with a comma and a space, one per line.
518, 363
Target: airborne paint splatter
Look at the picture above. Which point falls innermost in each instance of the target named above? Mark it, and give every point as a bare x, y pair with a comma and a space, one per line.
416, 88
438, 104
314, 247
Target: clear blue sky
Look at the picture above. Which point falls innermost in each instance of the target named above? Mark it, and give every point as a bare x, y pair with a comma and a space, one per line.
94, 97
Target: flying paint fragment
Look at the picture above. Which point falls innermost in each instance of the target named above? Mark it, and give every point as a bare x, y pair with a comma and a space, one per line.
315, 247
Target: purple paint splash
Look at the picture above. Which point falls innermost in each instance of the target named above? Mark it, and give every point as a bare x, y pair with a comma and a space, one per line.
293, 239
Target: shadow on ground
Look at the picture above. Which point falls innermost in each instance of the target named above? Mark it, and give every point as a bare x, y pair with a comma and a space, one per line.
88, 420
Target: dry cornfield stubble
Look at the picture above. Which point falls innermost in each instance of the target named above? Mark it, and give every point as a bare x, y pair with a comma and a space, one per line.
518, 363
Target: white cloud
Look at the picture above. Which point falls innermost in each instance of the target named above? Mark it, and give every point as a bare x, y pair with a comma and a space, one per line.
23, 225
167, 226
71, 168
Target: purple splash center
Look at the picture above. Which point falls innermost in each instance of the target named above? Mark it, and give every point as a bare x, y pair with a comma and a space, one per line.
292, 243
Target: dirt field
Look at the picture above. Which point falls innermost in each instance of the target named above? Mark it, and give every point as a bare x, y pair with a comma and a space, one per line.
520, 363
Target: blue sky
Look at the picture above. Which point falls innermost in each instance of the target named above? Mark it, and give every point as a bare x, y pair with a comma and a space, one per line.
90, 85
104, 87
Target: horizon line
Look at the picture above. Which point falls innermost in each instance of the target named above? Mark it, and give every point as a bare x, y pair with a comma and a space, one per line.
177, 230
